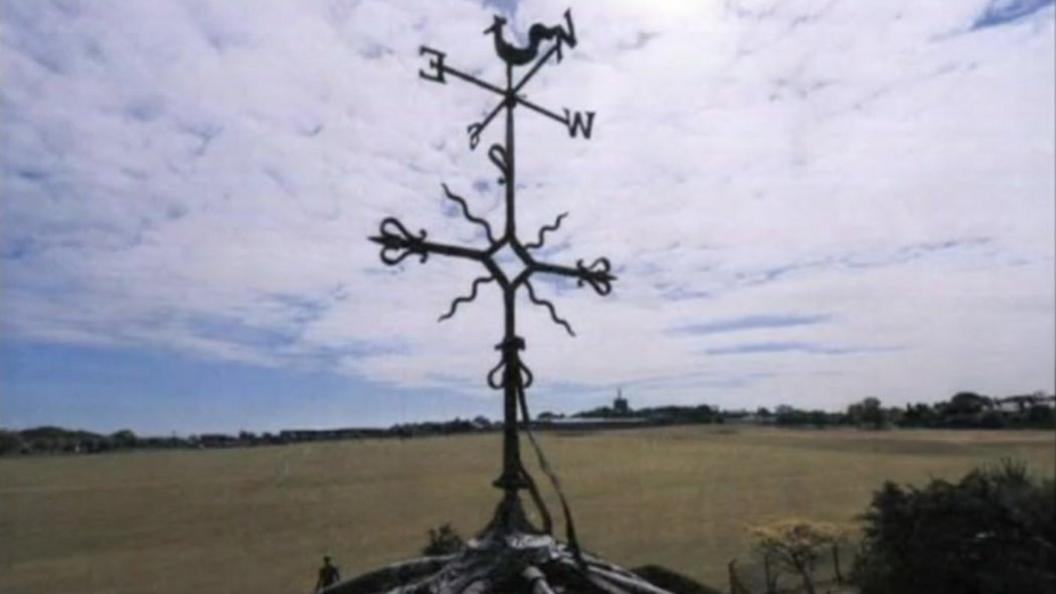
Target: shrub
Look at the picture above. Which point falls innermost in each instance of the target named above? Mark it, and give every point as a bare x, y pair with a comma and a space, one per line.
993, 532
795, 545
443, 541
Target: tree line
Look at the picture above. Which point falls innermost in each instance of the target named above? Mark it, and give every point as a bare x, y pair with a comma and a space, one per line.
964, 410
54, 440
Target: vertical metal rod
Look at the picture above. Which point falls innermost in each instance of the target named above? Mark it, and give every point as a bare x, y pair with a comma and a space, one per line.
511, 216
398, 243
510, 480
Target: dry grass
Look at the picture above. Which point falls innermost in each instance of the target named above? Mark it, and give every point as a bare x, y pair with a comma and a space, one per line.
260, 519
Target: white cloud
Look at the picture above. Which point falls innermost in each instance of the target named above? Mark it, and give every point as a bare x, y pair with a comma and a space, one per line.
202, 176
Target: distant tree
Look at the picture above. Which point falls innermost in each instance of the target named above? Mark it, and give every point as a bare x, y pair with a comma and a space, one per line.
819, 418
868, 413
124, 438
795, 545
1041, 416
967, 403
10, 442
594, 413
992, 532
872, 413
892, 416
790, 416
919, 415
992, 419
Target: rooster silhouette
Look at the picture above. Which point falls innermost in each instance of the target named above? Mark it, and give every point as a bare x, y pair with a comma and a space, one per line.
519, 56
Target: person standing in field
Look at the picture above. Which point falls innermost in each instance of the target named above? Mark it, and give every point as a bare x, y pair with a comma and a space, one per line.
328, 575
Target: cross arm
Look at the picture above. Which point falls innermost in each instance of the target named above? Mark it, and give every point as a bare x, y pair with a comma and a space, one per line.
397, 243
597, 274
575, 122
438, 71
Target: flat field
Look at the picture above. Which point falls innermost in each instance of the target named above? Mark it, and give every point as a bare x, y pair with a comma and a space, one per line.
259, 519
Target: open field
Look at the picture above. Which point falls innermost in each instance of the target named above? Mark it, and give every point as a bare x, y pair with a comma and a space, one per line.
260, 519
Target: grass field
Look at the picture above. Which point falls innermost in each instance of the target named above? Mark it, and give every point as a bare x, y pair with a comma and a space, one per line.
259, 519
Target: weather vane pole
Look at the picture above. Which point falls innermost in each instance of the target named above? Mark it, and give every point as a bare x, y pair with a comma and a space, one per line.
511, 374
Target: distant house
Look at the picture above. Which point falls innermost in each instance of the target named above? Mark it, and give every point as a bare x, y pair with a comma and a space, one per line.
1023, 403
288, 435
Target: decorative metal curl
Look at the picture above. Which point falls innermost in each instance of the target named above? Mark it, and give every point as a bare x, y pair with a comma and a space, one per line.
497, 156
468, 215
400, 240
538, 243
509, 350
597, 274
466, 298
550, 306
474, 131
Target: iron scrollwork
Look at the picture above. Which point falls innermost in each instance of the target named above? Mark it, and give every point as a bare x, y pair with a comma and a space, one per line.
510, 374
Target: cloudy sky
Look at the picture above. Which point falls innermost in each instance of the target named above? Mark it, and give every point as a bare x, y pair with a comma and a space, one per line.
806, 202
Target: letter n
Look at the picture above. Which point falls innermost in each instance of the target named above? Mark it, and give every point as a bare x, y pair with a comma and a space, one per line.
575, 123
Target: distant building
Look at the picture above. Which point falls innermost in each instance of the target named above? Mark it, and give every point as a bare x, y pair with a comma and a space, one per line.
1023, 403
294, 435
581, 423
216, 440
619, 416
620, 406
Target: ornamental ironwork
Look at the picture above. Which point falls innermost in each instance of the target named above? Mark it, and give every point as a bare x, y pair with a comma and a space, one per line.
510, 547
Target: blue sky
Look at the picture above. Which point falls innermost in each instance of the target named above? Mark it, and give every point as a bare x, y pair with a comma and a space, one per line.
806, 201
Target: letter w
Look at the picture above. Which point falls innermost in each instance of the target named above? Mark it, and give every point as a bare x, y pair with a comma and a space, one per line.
575, 123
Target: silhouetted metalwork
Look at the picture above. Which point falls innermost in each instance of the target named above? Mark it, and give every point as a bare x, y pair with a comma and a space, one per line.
509, 554
510, 374
397, 242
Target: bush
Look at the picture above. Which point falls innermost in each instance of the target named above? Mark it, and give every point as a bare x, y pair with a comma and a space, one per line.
993, 532
443, 541
794, 545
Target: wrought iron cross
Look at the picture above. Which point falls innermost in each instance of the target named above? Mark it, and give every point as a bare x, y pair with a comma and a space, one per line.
511, 374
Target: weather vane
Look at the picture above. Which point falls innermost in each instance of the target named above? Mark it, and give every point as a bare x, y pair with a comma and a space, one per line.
510, 529
509, 548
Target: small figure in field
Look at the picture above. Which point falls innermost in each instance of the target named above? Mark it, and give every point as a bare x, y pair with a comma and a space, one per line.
328, 575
